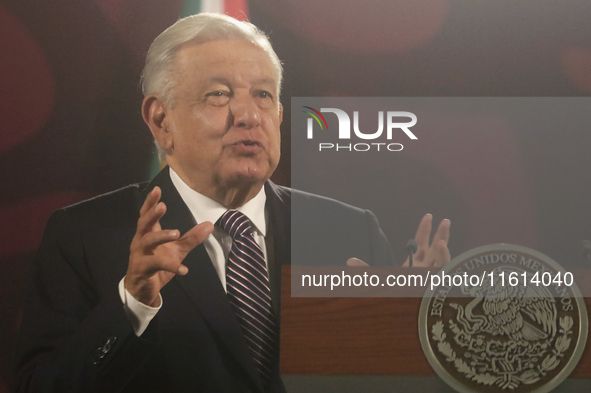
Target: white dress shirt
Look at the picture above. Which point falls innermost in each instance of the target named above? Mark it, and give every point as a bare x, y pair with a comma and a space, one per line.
218, 244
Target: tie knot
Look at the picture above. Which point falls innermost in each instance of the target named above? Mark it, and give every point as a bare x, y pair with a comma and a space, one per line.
235, 223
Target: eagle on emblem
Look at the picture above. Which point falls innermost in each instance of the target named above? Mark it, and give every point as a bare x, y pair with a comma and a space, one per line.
524, 313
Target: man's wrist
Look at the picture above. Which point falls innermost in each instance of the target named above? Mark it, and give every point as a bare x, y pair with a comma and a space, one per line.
139, 314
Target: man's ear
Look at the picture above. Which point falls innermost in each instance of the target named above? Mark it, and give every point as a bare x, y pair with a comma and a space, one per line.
280, 113
154, 112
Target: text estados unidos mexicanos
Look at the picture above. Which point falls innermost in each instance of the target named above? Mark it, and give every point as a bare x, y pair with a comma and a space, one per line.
491, 278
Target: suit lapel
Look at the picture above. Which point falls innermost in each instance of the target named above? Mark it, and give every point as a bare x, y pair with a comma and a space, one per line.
202, 284
279, 217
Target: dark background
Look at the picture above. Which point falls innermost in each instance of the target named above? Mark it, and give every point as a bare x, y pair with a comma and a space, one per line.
71, 127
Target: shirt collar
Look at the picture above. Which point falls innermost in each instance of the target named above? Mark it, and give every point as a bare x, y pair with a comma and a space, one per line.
206, 209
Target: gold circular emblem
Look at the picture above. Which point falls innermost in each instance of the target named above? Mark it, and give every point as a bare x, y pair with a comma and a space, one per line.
503, 318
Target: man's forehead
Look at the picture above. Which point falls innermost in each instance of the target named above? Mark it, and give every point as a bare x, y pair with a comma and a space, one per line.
225, 80
223, 53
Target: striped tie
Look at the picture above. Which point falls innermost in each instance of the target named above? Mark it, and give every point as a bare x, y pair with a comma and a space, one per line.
247, 284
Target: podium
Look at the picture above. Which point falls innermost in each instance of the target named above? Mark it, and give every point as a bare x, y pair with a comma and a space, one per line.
361, 336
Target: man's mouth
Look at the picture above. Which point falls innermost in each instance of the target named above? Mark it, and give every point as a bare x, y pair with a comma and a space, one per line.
249, 143
247, 146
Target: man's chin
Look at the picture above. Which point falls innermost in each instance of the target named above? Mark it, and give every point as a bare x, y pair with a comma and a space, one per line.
233, 191
245, 178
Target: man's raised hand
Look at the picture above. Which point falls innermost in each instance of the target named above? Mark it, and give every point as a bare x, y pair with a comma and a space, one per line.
436, 254
156, 255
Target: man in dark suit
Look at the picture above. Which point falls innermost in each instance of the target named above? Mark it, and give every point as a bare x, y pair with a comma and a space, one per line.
137, 290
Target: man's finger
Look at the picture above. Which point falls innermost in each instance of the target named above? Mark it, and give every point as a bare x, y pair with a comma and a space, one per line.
154, 264
422, 236
442, 232
147, 221
151, 240
443, 255
424, 230
152, 198
195, 236
356, 262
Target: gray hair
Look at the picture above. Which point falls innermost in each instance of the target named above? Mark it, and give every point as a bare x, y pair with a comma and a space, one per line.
157, 76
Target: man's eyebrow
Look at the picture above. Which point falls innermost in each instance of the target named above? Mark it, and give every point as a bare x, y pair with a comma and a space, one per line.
265, 81
218, 79
225, 81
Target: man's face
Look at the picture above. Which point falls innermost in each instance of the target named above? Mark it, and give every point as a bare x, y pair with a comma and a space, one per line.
225, 122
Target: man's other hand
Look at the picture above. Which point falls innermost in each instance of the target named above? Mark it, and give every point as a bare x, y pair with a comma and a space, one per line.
435, 254
356, 262
156, 255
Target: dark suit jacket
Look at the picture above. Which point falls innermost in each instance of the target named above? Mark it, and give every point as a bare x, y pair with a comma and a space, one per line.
75, 336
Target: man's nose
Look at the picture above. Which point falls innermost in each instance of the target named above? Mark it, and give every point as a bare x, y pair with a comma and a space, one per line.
245, 112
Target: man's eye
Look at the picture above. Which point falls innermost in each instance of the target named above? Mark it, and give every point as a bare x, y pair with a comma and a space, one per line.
219, 97
217, 94
264, 94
